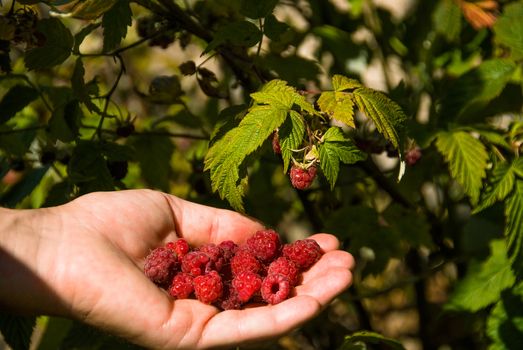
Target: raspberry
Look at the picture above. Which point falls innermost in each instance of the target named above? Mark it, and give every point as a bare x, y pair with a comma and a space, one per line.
215, 253
208, 288
196, 263
181, 247
181, 286
230, 299
265, 245
244, 261
229, 248
275, 288
303, 253
301, 179
160, 266
413, 155
284, 266
246, 284
276, 143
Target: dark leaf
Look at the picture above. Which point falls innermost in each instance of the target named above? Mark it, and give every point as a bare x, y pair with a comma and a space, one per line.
17, 330
57, 47
16, 99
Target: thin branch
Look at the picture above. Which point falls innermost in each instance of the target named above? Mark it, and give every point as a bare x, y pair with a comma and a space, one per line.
21, 130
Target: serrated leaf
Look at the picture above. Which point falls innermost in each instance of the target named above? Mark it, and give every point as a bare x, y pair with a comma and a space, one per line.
17, 330
279, 95
518, 166
333, 151
505, 322
291, 137
91, 9
82, 34
500, 185
115, 23
386, 114
57, 48
338, 105
509, 29
467, 160
371, 338
16, 99
227, 154
87, 168
257, 8
342, 83
241, 33
80, 89
484, 281
447, 20
514, 227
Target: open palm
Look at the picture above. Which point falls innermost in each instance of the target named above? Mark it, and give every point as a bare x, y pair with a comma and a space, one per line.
97, 272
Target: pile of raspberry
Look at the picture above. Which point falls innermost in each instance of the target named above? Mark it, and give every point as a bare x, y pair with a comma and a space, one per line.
227, 275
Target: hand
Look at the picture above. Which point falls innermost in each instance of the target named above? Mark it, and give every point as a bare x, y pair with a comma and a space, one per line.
96, 271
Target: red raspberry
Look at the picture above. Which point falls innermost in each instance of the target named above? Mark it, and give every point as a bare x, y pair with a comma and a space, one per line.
229, 248
215, 253
303, 253
160, 266
265, 245
208, 288
246, 284
196, 263
413, 155
181, 286
284, 266
276, 143
244, 261
301, 179
275, 288
230, 299
180, 247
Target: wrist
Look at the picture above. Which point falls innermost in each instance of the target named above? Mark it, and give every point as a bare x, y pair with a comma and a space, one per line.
26, 238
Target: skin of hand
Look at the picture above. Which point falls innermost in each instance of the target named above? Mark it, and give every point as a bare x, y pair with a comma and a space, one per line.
84, 260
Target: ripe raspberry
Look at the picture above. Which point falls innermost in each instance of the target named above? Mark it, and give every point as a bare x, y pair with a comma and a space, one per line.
265, 245
276, 143
181, 286
301, 179
303, 253
209, 287
215, 253
284, 266
413, 155
275, 288
244, 261
196, 263
160, 266
246, 284
180, 247
229, 248
229, 299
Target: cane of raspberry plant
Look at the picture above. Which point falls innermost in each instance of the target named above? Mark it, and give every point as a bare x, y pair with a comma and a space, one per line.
302, 178
160, 266
208, 288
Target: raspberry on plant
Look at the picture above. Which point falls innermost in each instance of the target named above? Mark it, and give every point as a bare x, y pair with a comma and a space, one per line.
243, 260
208, 288
303, 253
180, 247
413, 155
181, 286
264, 244
196, 263
275, 288
284, 266
215, 253
301, 178
160, 266
276, 143
246, 284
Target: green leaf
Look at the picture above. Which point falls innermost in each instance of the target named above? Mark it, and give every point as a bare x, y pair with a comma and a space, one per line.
273, 28
55, 330
412, 227
467, 160
115, 23
386, 114
501, 183
505, 322
80, 89
257, 8
241, 33
371, 338
64, 124
518, 166
154, 154
484, 281
16, 99
88, 169
338, 105
91, 9
17, 330
335, 149
82, 34
514, 227
342, 83
447, 20
23, 188
57, 47
509, 29
291, 137
17, 142
278, 94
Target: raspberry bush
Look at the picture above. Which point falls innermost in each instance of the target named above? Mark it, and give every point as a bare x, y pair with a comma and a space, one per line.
397, 126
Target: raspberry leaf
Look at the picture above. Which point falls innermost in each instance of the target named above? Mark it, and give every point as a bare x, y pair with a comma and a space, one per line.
339, 104
291, 136
514, 228
467, 159
354, 341
115, 23
500, 185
